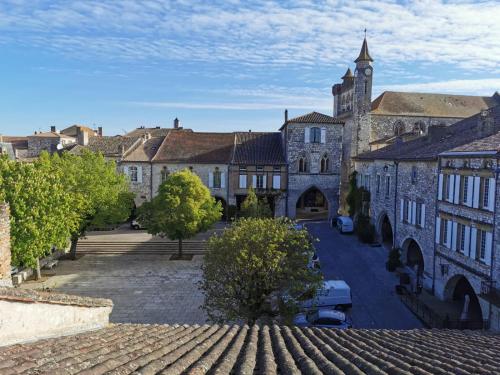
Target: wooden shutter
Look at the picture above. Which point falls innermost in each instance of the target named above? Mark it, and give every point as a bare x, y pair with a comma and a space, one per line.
210, 180
491, 194
438, 229
413, 213
476, 191
223, 180
422, 215
440, 187
402, 210
451, 182
487, 252
254, 181
467, 240
470, 191
126, 170
448, 233
243, 181
277, 182
139, 174
454, 232
473, 243
323, 135
456, 198
264, 182
306, 135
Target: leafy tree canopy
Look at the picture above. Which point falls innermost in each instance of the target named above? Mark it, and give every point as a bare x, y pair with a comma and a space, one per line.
182, 208
252, 262
252, 206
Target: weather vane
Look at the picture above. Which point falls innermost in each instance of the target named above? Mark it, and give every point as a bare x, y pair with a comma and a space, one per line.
365, 32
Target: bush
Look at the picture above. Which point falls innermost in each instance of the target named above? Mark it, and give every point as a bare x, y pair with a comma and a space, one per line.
232, 212
365, 230
393, 262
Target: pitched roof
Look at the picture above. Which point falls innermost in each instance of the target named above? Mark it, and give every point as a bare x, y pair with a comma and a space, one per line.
433, 105
151, 349
16, 141
348, 74
489, 144
144, 151
196, 147
258, 148
363, 54
438, 140
50, 135
72, 130
107, 145
154, 132
314, 118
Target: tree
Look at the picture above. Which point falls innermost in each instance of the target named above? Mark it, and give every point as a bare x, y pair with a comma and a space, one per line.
252, 206
252, 262
100, 195
182, 208
41, 209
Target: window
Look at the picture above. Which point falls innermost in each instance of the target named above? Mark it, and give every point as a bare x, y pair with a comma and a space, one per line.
260, 168
418, 214
243, 177
132, 172
486, 192
406, 210
302, 165
414, 175
444, 231
217, 178
315, 135
324, 164
481, 236
164, 174
447, 186
465, 189
461, 238
367, 182
277, 169
399, 128
260, 181
387, 186
378, 183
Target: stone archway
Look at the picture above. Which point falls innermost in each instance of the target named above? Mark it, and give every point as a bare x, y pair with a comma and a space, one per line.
312, 204
456, 290
414, 257
385, 230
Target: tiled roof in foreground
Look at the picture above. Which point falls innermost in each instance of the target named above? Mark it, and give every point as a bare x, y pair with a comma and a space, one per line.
163, 349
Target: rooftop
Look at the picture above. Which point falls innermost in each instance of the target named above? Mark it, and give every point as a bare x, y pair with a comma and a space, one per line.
489, 144
313, 118
258, 148
152, 349
144, 151
433, 105
107, 145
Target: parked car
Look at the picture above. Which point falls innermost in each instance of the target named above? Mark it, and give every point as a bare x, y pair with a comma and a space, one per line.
314, 262
344, 224
135, 224
323, 318
334, 294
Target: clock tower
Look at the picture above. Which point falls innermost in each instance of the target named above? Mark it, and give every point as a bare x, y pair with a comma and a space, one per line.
364, 79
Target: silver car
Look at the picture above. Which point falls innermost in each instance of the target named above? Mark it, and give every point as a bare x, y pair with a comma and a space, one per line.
323, 318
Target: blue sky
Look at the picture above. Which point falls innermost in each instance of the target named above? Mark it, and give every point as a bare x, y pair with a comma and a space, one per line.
227, 65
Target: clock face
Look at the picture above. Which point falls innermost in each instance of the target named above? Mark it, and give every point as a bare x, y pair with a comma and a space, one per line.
368, 71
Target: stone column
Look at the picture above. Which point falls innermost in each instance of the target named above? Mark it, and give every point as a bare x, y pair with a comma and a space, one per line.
5, 278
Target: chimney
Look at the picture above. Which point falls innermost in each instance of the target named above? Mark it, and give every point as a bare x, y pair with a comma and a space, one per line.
176, 123
286, 116
146, 136
99, 131
486, 125
5, 278
122, 149
53, 129
82, 137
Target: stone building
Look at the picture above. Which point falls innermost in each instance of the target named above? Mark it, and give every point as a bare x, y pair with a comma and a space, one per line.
313, 149
370, 125
5, 256
47, 141
409, 182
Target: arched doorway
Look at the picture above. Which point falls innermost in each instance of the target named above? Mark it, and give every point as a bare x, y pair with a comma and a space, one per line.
312, 204
385, 231
224, 207
456, 290
414, 256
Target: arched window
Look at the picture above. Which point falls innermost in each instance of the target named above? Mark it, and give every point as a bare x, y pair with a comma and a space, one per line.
133, 173
419, 127
217, 178
324, 166
302, 165
164, 174
315, 135
399, 128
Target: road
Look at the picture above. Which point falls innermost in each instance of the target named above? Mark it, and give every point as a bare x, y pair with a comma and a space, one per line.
375, 303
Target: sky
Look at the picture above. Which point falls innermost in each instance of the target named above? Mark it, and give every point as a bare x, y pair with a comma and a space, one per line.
228, 65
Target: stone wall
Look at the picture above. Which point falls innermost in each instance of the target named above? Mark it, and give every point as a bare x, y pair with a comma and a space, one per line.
5, 279
141, 188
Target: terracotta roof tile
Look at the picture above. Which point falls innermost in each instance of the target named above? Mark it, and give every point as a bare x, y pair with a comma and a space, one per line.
315, 118
488, 144
147, 349
435, 105
258, 148
144, 151
107, 145
195, 147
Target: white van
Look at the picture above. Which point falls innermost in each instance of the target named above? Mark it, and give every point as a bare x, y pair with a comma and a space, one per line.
344, 224
333, 294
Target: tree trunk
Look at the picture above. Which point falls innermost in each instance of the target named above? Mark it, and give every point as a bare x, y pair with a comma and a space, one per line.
180, 248
38, 275
72, 251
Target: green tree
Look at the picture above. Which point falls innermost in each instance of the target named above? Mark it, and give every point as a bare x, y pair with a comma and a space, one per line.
254, 261
182, 208
252, 206
100, 195
41, 209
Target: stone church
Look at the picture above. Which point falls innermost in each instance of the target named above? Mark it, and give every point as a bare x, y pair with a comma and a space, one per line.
392, 116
